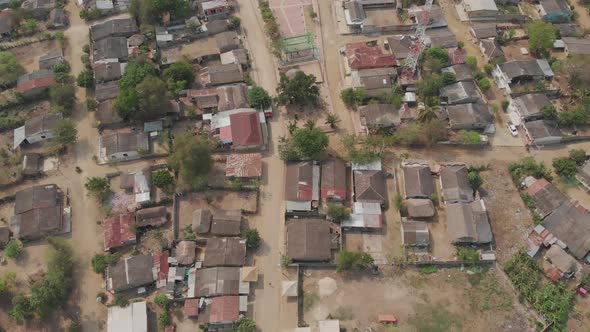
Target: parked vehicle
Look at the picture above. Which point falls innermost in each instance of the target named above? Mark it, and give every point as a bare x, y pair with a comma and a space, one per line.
512, 129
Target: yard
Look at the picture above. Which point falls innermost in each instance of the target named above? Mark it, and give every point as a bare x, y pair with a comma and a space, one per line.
28, 55
447, 300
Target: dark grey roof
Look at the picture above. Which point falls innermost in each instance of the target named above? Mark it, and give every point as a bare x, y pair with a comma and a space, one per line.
546, 196
106, 114
227, 41
555, 6
537, 68
377, 78
491, 49
41, 123
584, 173
37, 212
418, 181
6, 22
484, 30
577, 45
124, 142
420, 208
32, 163
110, 48
216, 281
58, 17
462, 72
105, 91
442, 37
104, 72
569, 30
571, 224
131, 272
455, 185
468, 223
530, 105
123, 27
4, 236
469, 116
47, 61
201, 221
308, 240
542, 129
356, 11
400, 45
379, 115
225, 252
216, 26
222, 74
460, 92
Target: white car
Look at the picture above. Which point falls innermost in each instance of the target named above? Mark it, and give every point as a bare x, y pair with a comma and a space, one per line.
512, 129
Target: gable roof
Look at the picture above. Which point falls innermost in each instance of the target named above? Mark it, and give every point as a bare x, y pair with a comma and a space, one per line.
37, 212
400, 45
468, 223
154, 216
246, 129
41, 123
379, 115
571, 224
118, 230
455, 185
217, 281
124, 142
301, 183
110, 48
225, 252
441, 37
491, 49
526, 68
308, 240
131, 272
132, 318
418, 181
361, 55
462, 72
475, 115
484, 30
577, 45
125, 27
542, 129
476, 5
221, 74
333, 179
370, 186
223, 309
531, 104
546, 196
420, 207
37, 79
460, 92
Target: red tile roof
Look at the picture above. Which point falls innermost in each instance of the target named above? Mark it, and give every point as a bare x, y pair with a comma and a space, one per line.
457, 56
224, 309
536, 186
36, 83
360, 56
118, 231
245, 129
161, 264
191, 308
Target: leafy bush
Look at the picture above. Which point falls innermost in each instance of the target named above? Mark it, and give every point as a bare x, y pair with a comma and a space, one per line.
578, 155
505, 104
101, 261
234, 23
428, 269
162, 179
485, 84
467, 254
164, 320
565, 167
349, 260
259, 98
475, 180
528, 167
338, 212
162, 301
63, 98
85, 78
488, 68
471, 61
468, 137
98, 187
13, 249
252, 237
245, 324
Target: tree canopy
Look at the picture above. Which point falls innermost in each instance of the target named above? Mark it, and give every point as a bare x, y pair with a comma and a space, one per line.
63, 98
350, 260
191, 158
301, 90
179, 76
541, 36
65, 133
10, 68
98, 187
259, 98
153, 102
565, 167
307, 143
152, 11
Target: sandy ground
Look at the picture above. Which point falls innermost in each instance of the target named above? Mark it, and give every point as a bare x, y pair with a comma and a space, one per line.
29, 55
583, 15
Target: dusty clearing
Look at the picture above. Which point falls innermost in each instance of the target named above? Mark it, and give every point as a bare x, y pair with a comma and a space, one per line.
194, 50
448, 300
227, 200
28, 55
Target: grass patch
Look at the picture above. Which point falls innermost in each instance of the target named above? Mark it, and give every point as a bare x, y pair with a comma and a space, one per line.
487, 292
309, 300
434, 318
467, 254
428, 269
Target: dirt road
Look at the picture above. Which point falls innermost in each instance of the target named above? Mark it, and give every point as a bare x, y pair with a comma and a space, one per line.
271, 312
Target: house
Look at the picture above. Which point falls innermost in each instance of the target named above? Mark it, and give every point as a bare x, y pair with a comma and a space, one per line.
132, 317
370, 186
460, 93
37, 9
480, 8
232, 97
583, 175
227, 41
545, 195
154, 216
218, 222
375, 81
513, 72
50, 60
139, 182
363, 55
218, 281
419, 208
39, 212
462, 72
539, 237
418, 181
491, 50
220, 313
108, 70
110, 48
455, 184
122, 27
131, 272
364, 216
35, 83
560, 264
122, 146
555, 10
441, 37
456, 56
119, 231
529, 107
467, 223
569, 30
106, 115
376, 117
302, 186
483, 30
237, 56
333, 180
401, 46
215, 9
221, 74
308, 240
32, 164
354, 13
37, 129
243, 165
103, 6
574, 45
6, 25
185, 252
240, 129
4, 236
106, 91
58, 17
415, 234
570, 223
542, 132
469, 116
191, 308
225, 251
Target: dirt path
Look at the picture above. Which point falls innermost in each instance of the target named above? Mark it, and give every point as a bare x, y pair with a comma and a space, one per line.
271, 312
583, 16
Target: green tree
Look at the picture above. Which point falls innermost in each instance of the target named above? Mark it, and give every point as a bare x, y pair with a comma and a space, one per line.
85, 79
63, 98
541, 36
332, 120
61, 68
13, 249
21, 308
528, 166
252, 238
162, 179
348, 97
98, 187
310, 143
448, 78
10, 68
164, 320
505, 104
565, 167
426, 114
91, 104
578, 155
191, 158
577, 116
300, 90
152, 102
234, 23
31, 25
475, 180
244, 324
471, 61
484, 84
437, 53
349, 260
338, 212
180, 74
65, 133
549, 112
488, 68
162, 301
259, 98
100, 262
